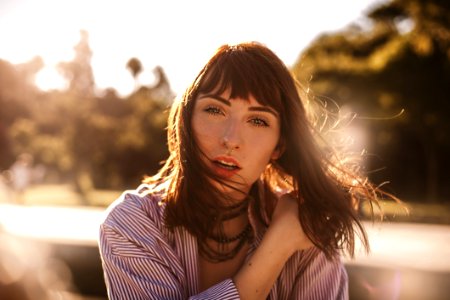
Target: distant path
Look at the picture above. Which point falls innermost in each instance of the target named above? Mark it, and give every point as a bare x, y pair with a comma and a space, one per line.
397, 245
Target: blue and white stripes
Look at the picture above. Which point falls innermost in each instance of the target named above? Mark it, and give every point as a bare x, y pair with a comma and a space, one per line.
142, 259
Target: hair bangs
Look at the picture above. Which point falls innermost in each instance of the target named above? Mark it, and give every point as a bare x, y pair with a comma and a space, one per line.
245, 74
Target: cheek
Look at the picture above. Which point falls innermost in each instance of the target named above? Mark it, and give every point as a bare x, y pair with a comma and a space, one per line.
262, 152
202, 132
271, 149
263, 142
198, 128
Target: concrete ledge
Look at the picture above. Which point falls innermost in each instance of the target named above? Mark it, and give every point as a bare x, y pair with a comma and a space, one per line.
54, 250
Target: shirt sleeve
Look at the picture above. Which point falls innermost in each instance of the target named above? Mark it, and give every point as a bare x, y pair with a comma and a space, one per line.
322, 279
135, 272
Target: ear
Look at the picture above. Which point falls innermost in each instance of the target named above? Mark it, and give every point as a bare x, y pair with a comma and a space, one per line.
279, 150
275, 154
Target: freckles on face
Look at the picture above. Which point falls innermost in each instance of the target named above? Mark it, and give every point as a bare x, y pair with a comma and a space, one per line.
238, 137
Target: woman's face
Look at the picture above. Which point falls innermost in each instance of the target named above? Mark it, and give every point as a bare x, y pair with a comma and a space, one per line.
239, 137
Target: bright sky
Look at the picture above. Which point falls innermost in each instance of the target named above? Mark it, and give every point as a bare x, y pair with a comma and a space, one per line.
179, 35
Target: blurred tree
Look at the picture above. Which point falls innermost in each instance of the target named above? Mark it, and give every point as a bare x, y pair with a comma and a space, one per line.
134, 65
79, 71
116, 141
398, 60
110, 104
106, 142
15, 94
142, 143
29, 69
161, 89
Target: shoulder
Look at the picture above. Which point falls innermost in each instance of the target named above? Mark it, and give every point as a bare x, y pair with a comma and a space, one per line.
134, 225
139, 207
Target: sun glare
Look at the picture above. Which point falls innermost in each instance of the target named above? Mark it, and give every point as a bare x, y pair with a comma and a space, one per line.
177, 35
48, 79
59, 224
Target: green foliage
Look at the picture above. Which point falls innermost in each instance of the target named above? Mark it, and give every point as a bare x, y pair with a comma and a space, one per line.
402, 62
91, 141
13, 91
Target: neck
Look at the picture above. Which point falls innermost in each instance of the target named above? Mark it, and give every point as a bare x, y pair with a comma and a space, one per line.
231, 234
233, 222
234, 226
229, 239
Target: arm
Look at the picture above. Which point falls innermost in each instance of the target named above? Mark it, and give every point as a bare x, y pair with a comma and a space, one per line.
283, 237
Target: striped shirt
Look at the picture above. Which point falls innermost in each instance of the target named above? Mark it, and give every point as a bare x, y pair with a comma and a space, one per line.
142, 259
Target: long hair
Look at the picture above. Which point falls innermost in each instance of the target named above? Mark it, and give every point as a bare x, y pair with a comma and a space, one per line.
327, 190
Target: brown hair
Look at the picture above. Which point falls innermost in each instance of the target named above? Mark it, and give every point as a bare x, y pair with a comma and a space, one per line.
327, 190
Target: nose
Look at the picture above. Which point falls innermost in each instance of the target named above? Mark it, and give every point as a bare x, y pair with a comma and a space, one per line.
232, 136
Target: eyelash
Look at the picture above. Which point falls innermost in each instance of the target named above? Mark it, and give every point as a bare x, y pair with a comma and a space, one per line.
259, 122
256, 121
213, 110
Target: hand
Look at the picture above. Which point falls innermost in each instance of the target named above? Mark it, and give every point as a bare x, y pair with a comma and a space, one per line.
283, 238
286, 223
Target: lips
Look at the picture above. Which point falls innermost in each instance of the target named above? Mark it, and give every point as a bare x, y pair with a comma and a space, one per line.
225, 166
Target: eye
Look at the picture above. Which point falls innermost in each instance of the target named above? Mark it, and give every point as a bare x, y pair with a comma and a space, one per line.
213, 110
259, 122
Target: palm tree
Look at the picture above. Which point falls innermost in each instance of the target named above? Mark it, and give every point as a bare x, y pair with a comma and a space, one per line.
134, 65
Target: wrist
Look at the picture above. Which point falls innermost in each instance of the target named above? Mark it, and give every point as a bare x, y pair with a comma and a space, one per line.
285, 243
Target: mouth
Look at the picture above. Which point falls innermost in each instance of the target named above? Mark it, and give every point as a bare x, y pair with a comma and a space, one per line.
226, 165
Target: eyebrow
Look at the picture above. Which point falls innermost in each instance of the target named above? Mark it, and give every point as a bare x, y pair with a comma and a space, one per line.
251, 108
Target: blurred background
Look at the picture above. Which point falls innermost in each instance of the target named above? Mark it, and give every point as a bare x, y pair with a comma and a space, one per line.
84, 92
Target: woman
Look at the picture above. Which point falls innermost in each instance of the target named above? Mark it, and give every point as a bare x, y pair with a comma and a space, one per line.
247, 206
